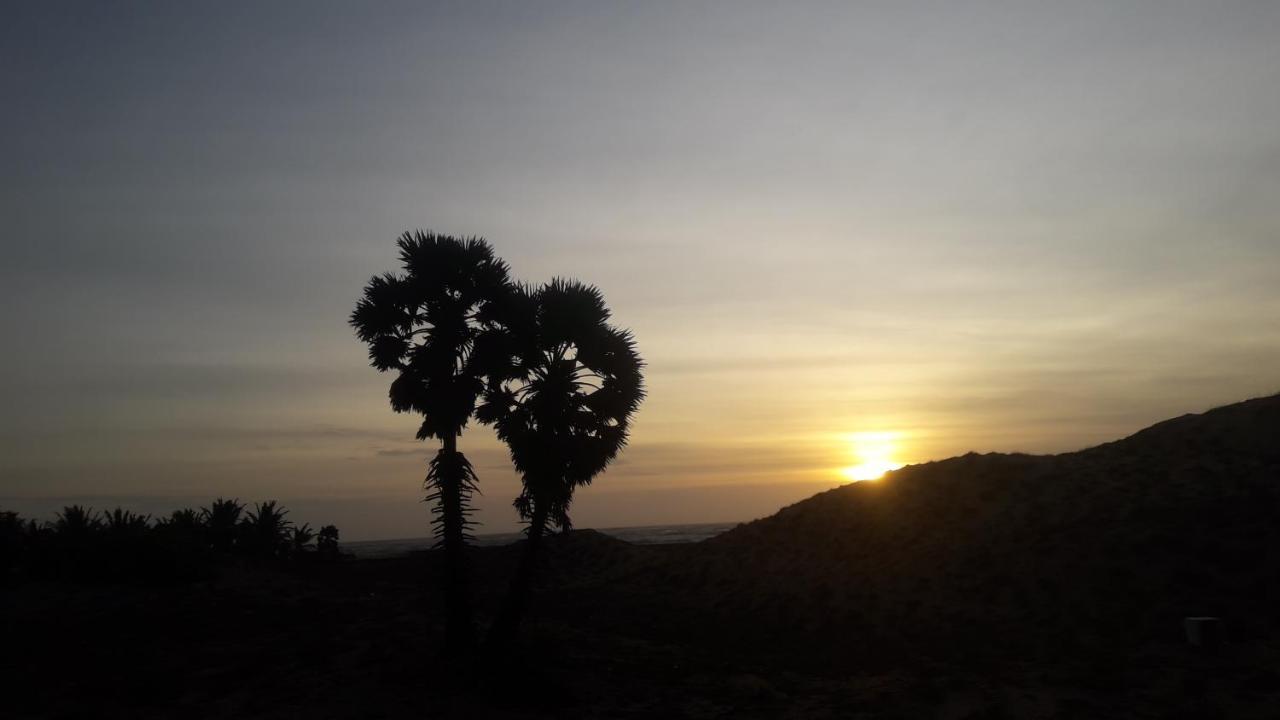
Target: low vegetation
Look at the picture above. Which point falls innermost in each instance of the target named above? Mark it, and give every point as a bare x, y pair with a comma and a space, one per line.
120, 546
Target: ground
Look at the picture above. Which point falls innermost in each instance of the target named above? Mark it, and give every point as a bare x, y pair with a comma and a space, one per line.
361, 638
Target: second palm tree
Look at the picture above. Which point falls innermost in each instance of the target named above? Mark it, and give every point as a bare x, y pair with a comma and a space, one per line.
563, 405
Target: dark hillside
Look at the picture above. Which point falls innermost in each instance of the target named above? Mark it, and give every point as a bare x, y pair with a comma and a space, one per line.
1019, 553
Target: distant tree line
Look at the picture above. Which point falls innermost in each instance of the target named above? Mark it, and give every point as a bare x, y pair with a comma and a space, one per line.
123, 546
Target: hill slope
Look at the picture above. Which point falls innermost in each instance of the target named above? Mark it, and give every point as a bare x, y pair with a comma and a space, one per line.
1114, 544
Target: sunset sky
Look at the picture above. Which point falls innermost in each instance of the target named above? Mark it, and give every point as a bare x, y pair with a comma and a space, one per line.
940, 227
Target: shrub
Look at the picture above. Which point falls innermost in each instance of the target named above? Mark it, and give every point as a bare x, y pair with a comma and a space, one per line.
327, 542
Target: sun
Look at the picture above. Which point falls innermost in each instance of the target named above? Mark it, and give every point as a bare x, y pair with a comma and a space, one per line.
873, 470
875, 452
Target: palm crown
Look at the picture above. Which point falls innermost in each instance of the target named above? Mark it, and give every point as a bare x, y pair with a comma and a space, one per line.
563, 402
423, 323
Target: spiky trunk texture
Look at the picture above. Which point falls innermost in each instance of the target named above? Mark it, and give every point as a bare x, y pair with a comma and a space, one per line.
506, 629
460, 624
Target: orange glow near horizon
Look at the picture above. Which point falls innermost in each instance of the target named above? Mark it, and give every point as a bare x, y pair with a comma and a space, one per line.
876, 453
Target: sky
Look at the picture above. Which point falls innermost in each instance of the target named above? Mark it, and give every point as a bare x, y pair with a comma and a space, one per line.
900, 229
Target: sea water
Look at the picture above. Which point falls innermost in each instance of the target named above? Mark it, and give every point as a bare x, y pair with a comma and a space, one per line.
644, 535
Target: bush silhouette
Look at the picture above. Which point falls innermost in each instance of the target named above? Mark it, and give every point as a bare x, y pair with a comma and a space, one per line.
327, 542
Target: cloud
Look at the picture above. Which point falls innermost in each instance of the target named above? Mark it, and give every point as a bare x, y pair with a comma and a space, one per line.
400, 452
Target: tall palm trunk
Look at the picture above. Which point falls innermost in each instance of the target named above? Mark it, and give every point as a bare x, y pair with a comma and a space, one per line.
506, 628
460, 625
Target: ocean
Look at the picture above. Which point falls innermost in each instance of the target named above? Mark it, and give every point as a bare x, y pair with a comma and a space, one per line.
644, 535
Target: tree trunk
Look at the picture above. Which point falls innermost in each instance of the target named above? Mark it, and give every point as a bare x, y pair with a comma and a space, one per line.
506, 629
459, 623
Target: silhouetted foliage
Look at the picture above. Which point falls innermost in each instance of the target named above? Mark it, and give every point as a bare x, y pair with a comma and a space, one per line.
183, 545
300, 538
185, 519
12, 545
327, 542
123, 546
222, 519
423, 324
123, 523
562, 403
75, 521
265, 533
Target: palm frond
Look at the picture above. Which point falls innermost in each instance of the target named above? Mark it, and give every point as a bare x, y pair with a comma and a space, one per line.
77, 519
385, 308
121, 521
567, 309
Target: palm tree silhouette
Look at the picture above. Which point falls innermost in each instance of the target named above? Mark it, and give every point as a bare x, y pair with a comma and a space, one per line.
122, 522
265, 531
300, 538
77, 522
186, 520
423, 324
563, 406
222, 522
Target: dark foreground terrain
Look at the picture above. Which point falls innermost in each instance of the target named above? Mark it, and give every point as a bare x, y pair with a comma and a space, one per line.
993, 586
353, 640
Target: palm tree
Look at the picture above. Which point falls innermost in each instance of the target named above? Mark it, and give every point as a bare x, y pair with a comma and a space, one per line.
184, 548
124, 550
186, 519
563, 406
423, 324
123, 523
300, 539
77, 522
77, 531
222, 521
265, 531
